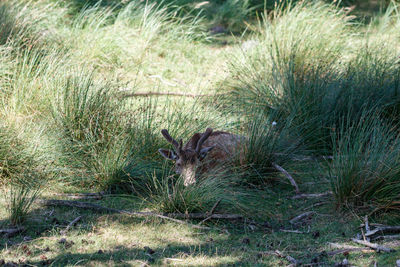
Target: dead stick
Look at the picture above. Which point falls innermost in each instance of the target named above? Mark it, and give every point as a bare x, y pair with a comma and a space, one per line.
383, 229
292, 181
210, 212
71, 224
316, 205
291, 231
373, 245
367, 229
386, 237
341, 251
301, 217
287, 257
214, 207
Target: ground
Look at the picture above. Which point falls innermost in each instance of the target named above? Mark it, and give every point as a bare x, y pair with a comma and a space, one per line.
104, 239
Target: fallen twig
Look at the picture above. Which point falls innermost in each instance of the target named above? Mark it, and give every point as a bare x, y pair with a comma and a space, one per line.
373, 245
63, 232
167, 216
12, 231
287, 257
292, 181
215, 206
301, 217
281, 255
292, 231
367, 229
210, 212
299, 196
386, 237
342, 248
373, 224
383, 229
316, 205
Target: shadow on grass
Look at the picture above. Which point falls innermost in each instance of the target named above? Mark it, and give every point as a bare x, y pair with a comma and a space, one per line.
124, 256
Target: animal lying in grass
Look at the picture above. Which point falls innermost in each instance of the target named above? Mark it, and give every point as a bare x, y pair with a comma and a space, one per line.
190, 158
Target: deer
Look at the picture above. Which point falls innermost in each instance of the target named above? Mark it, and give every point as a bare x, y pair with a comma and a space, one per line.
189, 158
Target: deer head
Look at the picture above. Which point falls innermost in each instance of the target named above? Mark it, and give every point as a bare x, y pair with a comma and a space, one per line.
187, 158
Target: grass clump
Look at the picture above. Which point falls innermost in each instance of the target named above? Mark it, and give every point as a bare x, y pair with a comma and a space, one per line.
167, 193
27, 25
267, 142
364, 171
288, 70
304, 70
90, 118
23, 192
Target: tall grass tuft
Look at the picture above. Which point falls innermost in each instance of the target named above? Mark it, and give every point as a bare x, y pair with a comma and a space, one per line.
89, 118
28, 25
304, 69
365, 169
167, 193
23, 192
267, 142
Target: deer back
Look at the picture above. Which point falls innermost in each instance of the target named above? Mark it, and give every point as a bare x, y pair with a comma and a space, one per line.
225, 146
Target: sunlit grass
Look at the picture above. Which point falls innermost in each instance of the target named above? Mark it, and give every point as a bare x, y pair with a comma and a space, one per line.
309, 74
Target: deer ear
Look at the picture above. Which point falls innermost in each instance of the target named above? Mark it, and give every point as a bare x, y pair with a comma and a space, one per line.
168, 154
204, 151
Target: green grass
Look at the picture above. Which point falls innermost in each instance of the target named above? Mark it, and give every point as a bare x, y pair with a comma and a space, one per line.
364, 168
298, 81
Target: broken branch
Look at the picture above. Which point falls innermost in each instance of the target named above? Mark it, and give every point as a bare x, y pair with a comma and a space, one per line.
367, 229
287, 257
386, 237
63, 232
383, 229
214, 207
210, 212
373, 245
292, 181
301, 217
292, 231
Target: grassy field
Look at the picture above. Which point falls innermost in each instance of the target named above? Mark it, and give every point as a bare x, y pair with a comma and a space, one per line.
313, 86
